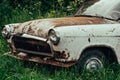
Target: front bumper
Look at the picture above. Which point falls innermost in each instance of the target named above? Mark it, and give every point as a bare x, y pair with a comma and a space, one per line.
37, 59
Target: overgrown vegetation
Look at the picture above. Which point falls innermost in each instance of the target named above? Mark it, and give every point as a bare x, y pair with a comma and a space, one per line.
12, 11
23, 10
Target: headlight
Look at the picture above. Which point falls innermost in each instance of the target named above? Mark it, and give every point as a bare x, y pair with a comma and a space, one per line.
54, 37
6, 31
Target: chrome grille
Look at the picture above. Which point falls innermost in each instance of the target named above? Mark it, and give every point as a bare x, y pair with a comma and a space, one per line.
32, 46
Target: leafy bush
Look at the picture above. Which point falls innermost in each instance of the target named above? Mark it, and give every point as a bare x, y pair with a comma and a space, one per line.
23, 10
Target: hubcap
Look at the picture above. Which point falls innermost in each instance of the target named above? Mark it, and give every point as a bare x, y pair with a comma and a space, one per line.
93, 64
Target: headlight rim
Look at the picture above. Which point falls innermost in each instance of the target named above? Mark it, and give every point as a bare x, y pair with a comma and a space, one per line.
5, 33
56, 35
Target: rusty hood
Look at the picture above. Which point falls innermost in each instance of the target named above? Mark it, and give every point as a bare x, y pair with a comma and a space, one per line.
41, 27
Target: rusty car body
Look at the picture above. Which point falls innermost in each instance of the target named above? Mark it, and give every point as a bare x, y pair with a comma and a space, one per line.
82, 39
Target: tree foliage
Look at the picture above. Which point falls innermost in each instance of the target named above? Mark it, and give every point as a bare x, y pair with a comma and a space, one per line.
22, 10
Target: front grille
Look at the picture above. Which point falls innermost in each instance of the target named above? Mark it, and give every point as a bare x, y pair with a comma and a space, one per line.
33, 46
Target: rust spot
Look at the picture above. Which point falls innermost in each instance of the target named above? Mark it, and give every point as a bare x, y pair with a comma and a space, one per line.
17, 27
30, 30
12, 48
28, 23
40, 30
66, 49
89, 40
83, 30
76, 21
112, 30
62, 55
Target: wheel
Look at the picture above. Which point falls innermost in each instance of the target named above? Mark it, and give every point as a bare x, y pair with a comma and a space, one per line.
92, 60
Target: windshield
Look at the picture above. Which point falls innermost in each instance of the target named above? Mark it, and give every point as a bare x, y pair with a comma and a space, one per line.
105, 8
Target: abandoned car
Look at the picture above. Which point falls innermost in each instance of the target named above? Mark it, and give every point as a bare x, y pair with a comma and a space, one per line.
90, 39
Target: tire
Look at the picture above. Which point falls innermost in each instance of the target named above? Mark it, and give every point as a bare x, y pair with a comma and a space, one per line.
92, 60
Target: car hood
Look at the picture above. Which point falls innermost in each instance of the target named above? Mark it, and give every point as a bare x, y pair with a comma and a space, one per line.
41, 27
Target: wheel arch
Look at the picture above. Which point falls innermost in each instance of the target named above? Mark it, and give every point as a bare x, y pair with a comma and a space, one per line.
105, 49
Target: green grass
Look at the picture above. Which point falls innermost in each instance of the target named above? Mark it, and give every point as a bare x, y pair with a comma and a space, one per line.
13, 69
